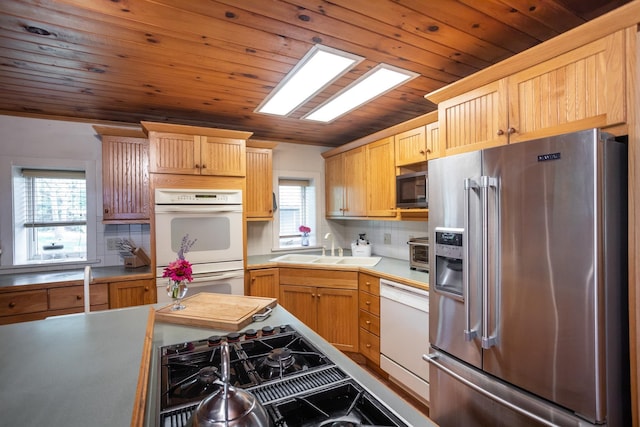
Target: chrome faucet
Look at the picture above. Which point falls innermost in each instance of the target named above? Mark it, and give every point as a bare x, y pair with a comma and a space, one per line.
333, 243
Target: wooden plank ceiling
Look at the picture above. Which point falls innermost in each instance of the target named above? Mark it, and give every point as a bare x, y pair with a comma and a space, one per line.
211, 62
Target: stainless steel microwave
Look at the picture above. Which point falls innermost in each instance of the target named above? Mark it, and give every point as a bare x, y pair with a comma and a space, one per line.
412, 190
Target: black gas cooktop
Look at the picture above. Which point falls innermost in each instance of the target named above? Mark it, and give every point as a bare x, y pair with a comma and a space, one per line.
297, 384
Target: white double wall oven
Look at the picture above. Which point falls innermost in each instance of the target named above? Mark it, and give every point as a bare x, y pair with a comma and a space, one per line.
213, 220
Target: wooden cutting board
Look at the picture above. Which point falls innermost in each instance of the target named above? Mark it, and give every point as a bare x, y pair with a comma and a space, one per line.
218, 311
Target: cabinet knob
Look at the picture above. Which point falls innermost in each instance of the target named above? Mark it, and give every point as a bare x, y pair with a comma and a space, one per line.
106, 210
204, 166
368, 302
146, 289
313, 295
511, 131
428, 150
12, 304
421, 151
78, 297
368, 284
368, 322
368, 345
500, 132
197, 166
319, 295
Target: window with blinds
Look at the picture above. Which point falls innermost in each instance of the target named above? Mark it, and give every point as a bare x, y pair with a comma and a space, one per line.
297, 207
51, 216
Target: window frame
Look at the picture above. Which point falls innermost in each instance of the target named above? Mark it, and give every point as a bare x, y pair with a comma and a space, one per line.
315, 179
12, 167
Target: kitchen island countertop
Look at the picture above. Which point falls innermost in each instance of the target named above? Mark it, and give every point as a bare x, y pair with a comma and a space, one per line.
82, 369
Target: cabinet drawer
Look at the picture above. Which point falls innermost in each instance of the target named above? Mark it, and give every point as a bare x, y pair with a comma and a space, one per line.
23, 302
369, 302
370, 346
369, 283
369, 322
73, 296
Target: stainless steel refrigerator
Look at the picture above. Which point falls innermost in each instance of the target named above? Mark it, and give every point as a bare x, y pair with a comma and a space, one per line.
528, 285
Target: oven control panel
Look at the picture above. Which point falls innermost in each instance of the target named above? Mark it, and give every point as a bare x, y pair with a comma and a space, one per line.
181, 196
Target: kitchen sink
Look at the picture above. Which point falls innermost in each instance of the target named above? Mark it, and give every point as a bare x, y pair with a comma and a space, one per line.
328, 260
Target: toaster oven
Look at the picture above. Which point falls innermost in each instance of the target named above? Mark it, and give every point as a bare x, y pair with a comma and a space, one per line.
419, 253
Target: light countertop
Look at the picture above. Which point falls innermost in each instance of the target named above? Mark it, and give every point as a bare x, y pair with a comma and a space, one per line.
389, 268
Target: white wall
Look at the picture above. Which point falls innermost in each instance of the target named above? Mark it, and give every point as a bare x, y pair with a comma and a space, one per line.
40, 142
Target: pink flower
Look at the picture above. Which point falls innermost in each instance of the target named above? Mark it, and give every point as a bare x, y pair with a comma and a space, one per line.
304, 229
178, 270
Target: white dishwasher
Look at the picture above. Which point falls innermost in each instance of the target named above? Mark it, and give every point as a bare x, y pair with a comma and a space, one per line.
404, 336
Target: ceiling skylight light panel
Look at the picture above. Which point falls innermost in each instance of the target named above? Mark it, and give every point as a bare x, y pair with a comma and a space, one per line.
316, 70
379, 80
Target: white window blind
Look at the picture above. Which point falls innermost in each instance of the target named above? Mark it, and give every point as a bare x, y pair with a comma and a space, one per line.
297, 206
53, 215
54, 198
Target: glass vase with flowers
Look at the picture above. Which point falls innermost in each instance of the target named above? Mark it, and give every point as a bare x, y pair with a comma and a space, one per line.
179, 273
304, 241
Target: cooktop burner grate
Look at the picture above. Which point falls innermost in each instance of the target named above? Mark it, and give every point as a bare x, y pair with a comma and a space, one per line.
267, 393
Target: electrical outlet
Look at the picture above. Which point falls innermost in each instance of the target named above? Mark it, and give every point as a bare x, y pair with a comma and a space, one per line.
387, 238
112, 243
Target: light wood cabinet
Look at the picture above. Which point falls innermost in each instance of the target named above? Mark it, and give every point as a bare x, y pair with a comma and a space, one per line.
125, 179
259, 206
132, 292
474, 120
432, 139
326, 301
580, 89
264, 283
346, 184
380, 181
73, 297
125, 175
411, 146
50, 300
369, 316
191, 150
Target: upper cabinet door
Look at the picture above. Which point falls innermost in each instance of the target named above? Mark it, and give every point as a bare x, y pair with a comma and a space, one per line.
259, 184
581, 89
355, 182
125, 179
174, 153
222, 156
381, 182
410, 147
474, 120
334, 185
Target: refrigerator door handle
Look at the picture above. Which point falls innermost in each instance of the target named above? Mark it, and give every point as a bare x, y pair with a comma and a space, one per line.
487, 341
432, 358
469, 334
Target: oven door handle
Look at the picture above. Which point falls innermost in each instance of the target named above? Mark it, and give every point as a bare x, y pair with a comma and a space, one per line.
214, 277
196, 209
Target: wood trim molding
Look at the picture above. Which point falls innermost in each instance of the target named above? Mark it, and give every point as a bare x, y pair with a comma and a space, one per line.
139, 404
194, 130
130, 132
259, 143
